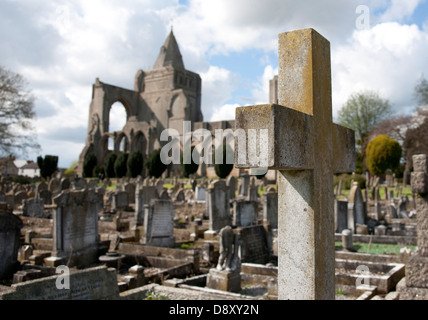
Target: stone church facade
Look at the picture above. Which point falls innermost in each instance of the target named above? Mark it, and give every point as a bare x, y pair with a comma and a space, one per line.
162, 98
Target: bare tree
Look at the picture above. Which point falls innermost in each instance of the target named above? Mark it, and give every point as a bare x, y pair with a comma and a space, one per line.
17, 134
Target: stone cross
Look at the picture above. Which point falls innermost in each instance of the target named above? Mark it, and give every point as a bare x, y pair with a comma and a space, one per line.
307, 148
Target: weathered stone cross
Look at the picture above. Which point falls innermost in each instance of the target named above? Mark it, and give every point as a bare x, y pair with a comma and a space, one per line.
307, 148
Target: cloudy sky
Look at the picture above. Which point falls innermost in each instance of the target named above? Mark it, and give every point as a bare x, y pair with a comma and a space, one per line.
61, 47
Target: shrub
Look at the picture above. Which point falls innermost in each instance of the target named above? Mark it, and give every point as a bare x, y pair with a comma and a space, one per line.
47, 165
192, 167
120, 167
135, 164
154, 164
347, 179
109, 165
223, 169
89, 164
382, 153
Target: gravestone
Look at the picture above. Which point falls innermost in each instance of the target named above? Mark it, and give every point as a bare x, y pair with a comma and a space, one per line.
20, 197
98, 283
149, 193
120, 200
79, 184
307, 148
270, 209
180, 196
254, 246
341, 214
75, 226
200, 193
54, 186
244, 185
130, 189
65, 184
139, 206
244, 213
231, 184
356, 206
159, 186
159, 224
10, 227
46, 196
33, 207
218, 205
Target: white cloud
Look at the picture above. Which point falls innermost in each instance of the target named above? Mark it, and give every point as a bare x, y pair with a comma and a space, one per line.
387, 58
217, 85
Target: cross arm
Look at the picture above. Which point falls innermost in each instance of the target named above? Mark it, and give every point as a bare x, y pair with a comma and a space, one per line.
290, 137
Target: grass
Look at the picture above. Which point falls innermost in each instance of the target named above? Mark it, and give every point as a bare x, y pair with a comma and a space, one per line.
375, 248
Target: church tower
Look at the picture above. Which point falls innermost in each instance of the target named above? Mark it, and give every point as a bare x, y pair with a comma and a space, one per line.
171, 92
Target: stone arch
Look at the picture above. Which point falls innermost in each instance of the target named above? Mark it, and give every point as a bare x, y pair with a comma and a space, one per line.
119, 119
122, 143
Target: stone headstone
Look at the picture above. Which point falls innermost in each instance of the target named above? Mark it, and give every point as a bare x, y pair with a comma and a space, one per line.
347, 243
33, 207
270, 209
218, 205
244, 213
54, 186
244, 185
159, 186
98, 283
20, 197
75, 233
46, 196
200, 193
120, 200
231, 184
358, 207
159, 223
10, 227
130, 188
341, 214
65, 184
254, 247
180, 196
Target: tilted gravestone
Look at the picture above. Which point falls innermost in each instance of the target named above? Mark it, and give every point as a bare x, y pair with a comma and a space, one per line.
159, 223
10, 226
75, 233
307, 148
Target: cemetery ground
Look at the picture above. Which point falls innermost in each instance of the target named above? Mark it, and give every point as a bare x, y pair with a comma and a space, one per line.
160, 239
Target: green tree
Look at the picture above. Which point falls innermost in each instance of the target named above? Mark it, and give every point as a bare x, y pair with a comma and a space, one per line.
154, 164
47, 165
135, 164
421, 91
71, 172
192, 167
16, 115
89, 164
109, 165
120, 168
361, 112
223, 168
382, 153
